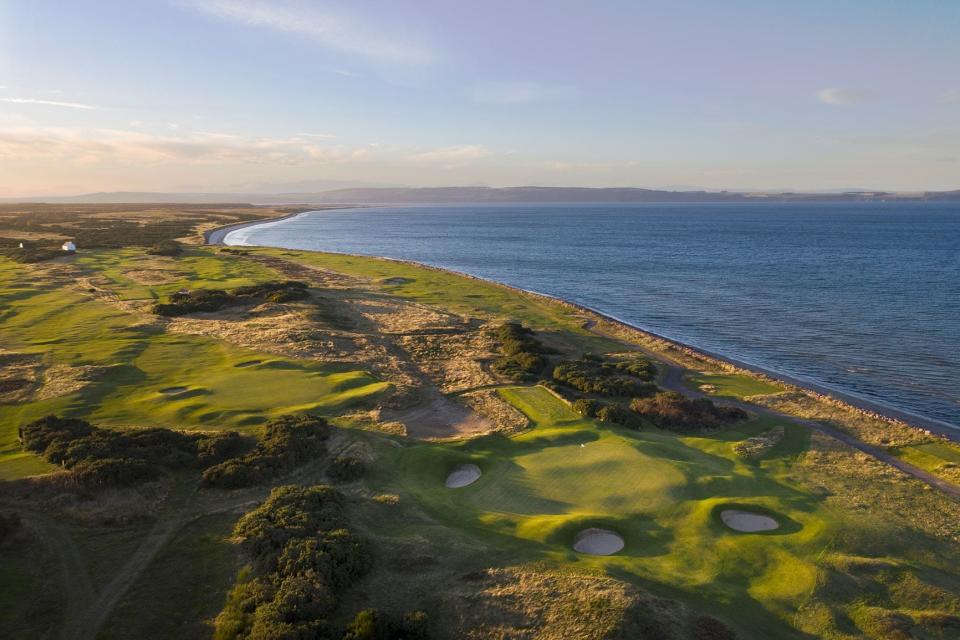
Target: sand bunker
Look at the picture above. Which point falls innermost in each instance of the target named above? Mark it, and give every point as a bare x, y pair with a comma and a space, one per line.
173, 390
747, 521
462, 476
598, 542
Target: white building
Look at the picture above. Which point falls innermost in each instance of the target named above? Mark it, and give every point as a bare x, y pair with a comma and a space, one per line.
68, 246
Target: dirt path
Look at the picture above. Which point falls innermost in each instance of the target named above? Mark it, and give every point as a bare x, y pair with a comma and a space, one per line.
671, 378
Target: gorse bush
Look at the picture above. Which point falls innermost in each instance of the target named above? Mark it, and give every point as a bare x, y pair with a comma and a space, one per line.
166, 248
523, 353
623, 378
303, 555
208, 300
370, 624
285, 443
104, 457
671, 410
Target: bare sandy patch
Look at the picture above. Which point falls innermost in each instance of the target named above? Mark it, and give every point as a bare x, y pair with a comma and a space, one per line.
598, 542
463, 476
748, 521
19, 374
61, 380
438, 417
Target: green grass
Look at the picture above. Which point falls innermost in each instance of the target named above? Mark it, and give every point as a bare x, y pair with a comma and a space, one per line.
731, 384
931, 456
195, 268
660, 491
61, 326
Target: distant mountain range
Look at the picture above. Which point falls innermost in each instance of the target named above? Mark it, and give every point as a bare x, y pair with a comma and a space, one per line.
450, 195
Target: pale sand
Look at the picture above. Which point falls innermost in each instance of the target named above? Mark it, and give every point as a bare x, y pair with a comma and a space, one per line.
598, 542
462, 476
747, 521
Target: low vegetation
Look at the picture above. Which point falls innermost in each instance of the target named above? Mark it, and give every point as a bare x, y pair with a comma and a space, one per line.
522, 353
209, 300
98, 457
165, 248
614, 378
759, 445
303, 555
675, 412
285, 444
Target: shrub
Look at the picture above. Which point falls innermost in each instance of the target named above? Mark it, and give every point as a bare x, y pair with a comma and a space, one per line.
709, 628
522, 357
671, 410
208, 300
616, 414
616, 379
370, 624
104, 457
286, 443
166, 248
347, 468
307, 556
586, 407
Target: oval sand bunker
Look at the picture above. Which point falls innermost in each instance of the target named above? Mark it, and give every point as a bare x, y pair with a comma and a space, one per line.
462, 476
598, 542
173, 390
748, 521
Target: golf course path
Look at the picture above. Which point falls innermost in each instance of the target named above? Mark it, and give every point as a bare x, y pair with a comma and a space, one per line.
671, 379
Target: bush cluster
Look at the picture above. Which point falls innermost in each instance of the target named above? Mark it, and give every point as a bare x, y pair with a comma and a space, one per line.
30, 255
347, 468
523, 353
103, 457
286, 443
371, 624
304, 556
165, 248
671, 410
607, 412
207, 300
607, 378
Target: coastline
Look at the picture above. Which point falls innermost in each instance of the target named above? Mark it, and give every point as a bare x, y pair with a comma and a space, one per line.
860, 405
217, 235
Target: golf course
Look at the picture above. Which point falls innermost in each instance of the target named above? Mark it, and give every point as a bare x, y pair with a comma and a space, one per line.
457, 484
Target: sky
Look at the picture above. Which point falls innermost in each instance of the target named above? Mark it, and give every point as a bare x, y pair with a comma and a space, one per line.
293, 95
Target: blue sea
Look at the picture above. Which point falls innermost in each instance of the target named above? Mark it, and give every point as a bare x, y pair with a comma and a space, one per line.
863, 299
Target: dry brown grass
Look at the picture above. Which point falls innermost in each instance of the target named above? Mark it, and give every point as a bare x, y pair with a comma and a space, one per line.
60, 380
524, 603
19, 375
488, 403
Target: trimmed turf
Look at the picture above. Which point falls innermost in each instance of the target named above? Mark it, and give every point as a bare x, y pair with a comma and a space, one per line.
658, 490
731, 385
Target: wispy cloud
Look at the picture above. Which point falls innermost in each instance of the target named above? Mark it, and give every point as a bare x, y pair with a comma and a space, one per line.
332, 29
842, 96
451, 155
325, 136
518, 92
90, 146
49, 103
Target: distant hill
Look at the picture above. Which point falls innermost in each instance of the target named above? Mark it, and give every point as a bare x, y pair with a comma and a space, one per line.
450, 195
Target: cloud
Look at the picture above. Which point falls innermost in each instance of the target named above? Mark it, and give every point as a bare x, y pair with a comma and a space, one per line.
115, 146
841, 96
452, 156
518, 92
49, 103
316, 135
334, 30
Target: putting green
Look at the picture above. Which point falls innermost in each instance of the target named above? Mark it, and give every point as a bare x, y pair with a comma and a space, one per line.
660, 492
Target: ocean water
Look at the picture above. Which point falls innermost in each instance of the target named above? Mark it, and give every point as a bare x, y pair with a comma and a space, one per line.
860, 298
